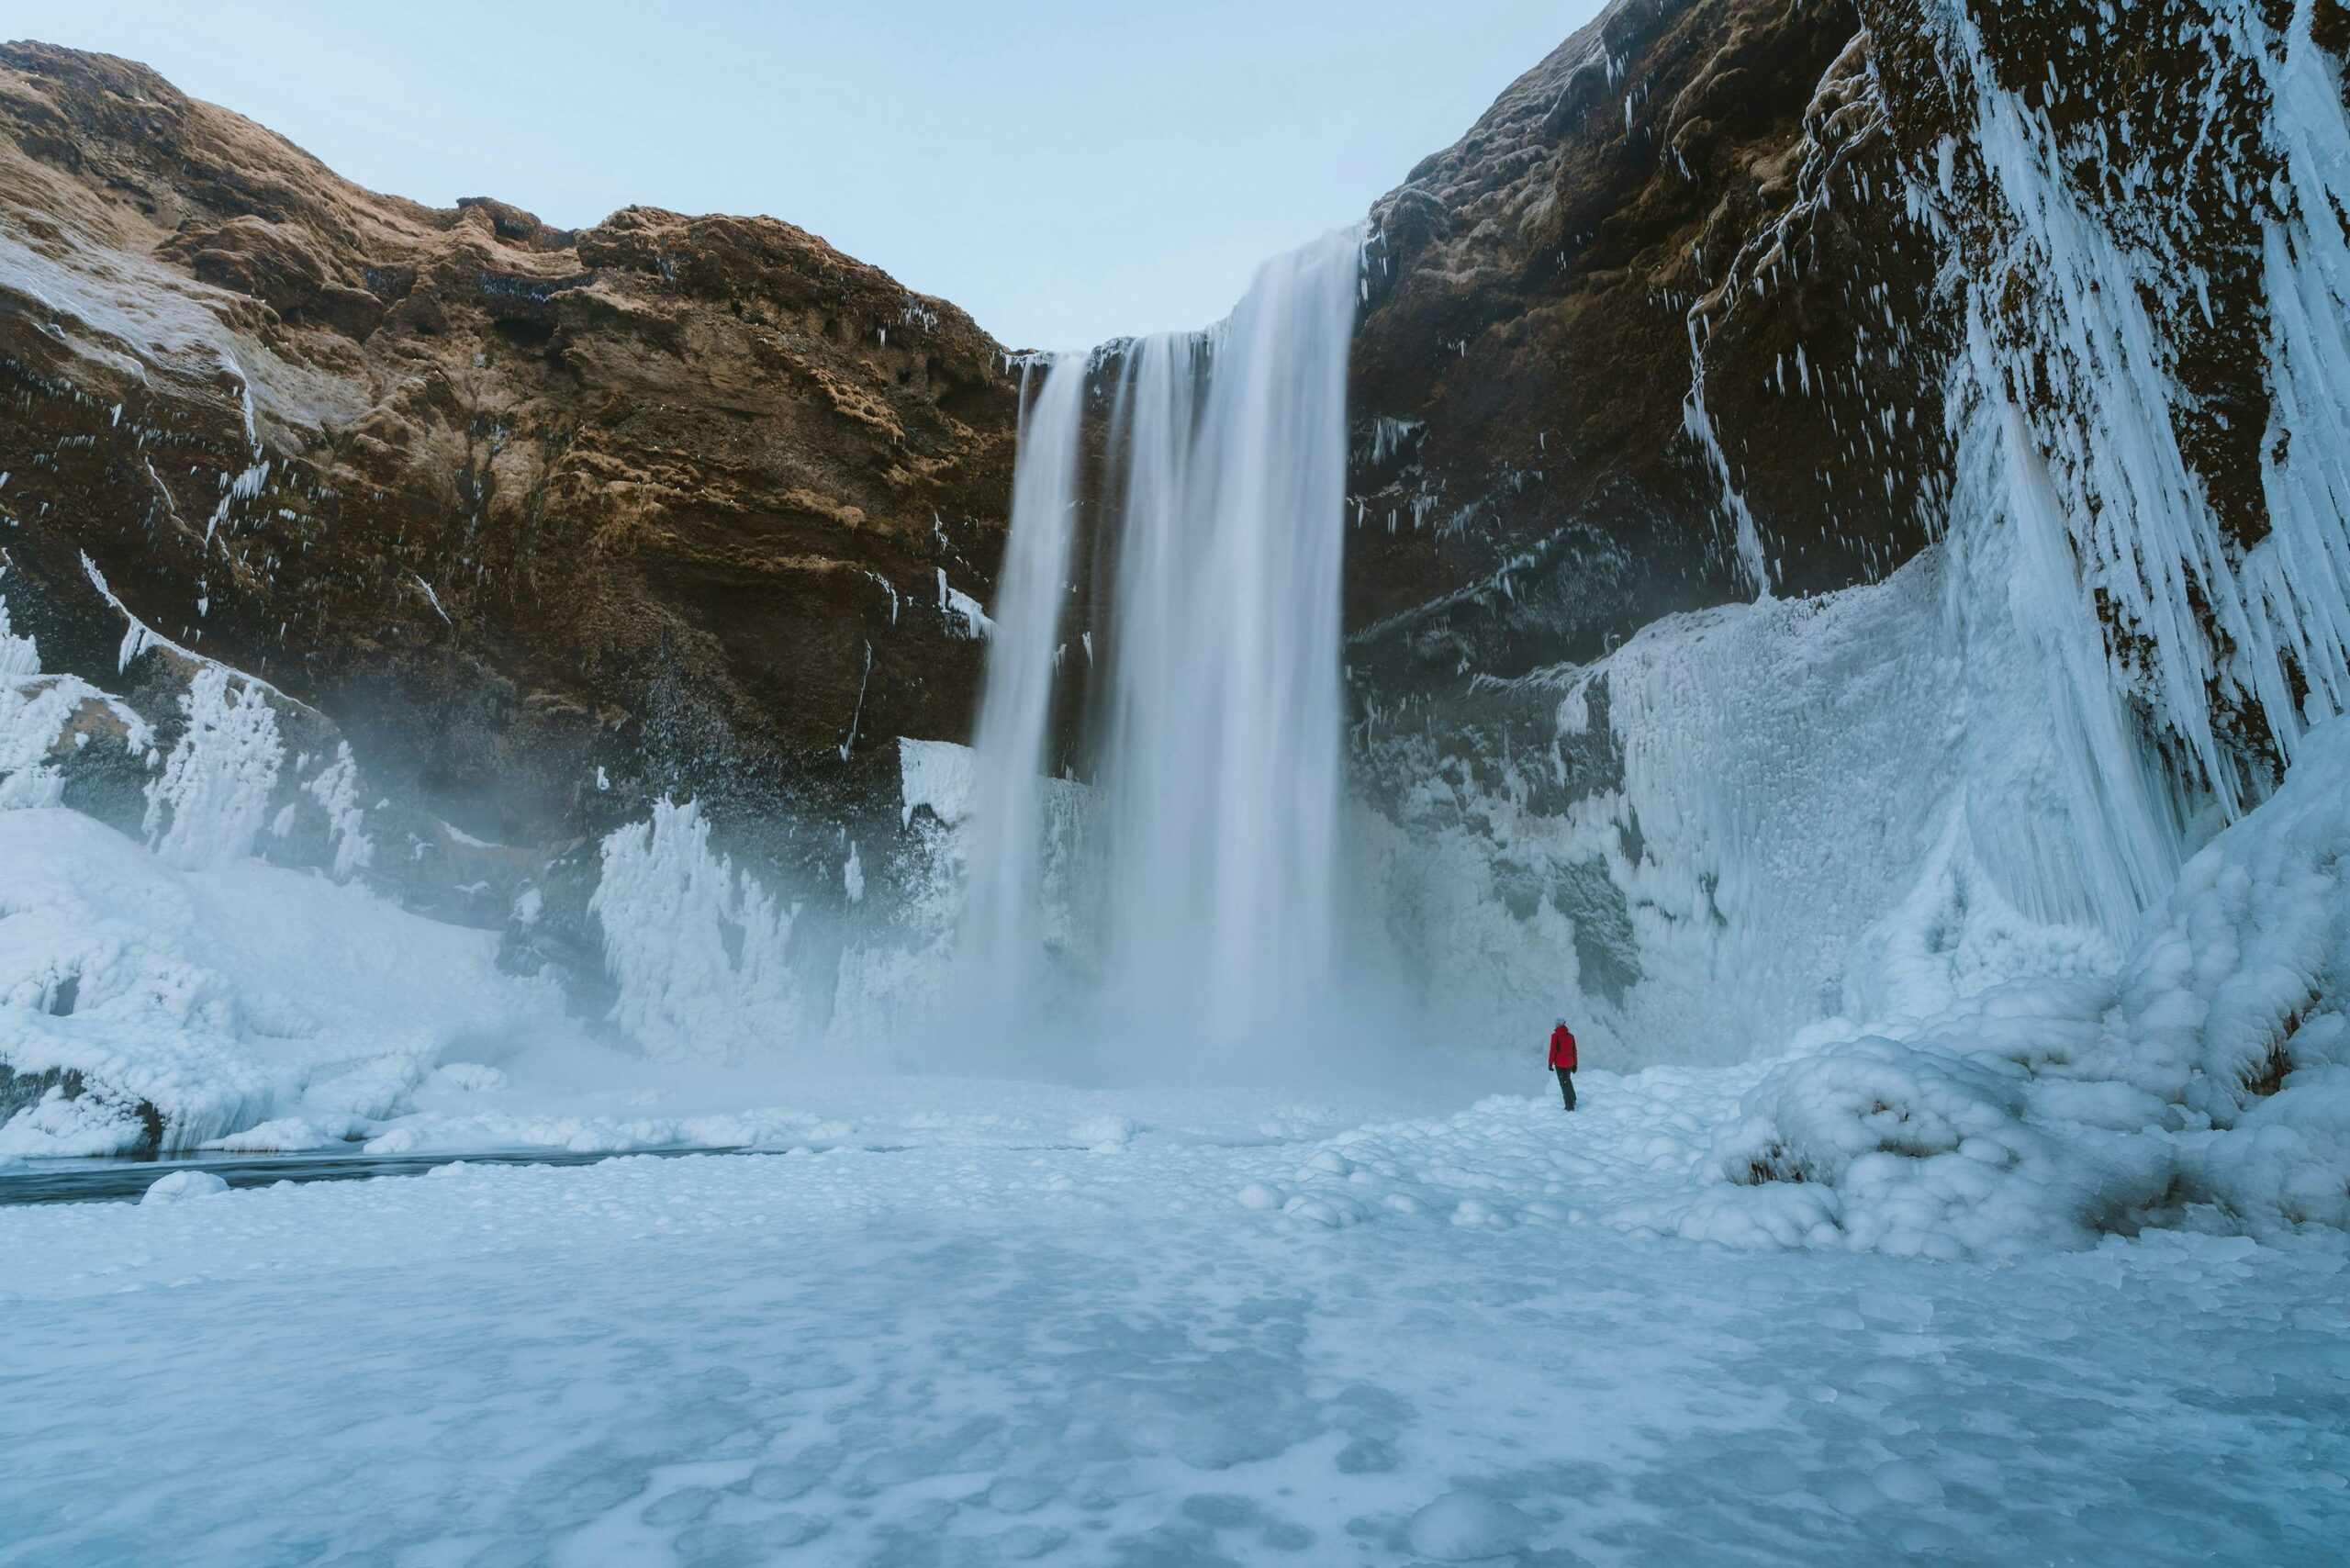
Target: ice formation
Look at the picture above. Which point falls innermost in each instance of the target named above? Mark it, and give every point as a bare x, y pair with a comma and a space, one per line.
696, 948
2060, 326
336, 789
146, 1005
2205, 1081
212, 799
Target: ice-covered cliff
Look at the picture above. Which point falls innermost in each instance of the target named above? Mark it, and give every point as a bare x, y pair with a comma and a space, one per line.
1850, 497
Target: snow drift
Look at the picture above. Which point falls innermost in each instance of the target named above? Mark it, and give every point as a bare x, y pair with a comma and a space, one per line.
2205, 1082
146, 1006
156, 996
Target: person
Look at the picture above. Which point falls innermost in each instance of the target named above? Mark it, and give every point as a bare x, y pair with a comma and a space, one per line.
1562, 1061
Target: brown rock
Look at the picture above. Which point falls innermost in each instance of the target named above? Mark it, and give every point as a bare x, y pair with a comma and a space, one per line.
668, 496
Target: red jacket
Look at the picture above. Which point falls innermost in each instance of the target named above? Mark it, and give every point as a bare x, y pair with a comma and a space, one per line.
1562, 1048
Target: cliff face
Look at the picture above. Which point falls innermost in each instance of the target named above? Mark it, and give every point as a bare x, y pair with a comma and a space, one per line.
1567, 325
1731, 312
1678, 322
547, 524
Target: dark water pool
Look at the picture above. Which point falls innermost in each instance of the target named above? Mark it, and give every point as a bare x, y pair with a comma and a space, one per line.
101, 1180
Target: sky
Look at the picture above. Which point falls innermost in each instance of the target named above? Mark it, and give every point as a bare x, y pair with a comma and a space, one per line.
1067, 171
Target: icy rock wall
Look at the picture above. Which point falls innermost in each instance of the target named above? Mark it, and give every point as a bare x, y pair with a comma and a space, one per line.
1755, 817
198, 403
1874, 802
2109, 241
162, 990
220, 779
42, 721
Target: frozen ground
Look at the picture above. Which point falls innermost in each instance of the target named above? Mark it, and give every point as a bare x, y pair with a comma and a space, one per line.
1146, 1347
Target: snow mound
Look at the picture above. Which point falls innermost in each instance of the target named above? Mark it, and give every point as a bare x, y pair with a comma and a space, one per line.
181, 1185
290, 1135
1921, 1150
67, 1121
1105, 1133
2209, 1080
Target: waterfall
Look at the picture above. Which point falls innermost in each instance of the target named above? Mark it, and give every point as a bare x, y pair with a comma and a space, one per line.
1002, 935
1223, 763
1218, 761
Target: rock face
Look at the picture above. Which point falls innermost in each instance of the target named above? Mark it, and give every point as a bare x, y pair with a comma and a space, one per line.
545, 524
1677, 319
1731, 300
1569, 322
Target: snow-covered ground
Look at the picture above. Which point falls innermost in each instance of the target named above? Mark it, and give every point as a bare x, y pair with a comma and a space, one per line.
228, 996
1146, 1347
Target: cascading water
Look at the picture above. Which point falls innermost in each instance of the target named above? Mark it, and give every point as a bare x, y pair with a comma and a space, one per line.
1001, 938
1223, 765
1220, 764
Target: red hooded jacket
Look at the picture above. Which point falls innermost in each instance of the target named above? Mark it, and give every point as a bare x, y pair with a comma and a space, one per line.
1562, 1048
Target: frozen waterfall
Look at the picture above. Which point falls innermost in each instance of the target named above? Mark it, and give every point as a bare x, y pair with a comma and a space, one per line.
1218, 757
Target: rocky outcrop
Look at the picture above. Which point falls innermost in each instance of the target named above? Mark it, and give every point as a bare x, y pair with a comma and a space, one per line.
545, 524
1564, 313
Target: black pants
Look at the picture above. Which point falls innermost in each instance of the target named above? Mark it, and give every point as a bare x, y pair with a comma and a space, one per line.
1566, 1086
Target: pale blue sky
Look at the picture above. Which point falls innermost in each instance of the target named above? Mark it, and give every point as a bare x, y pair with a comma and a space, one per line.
1066, 171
